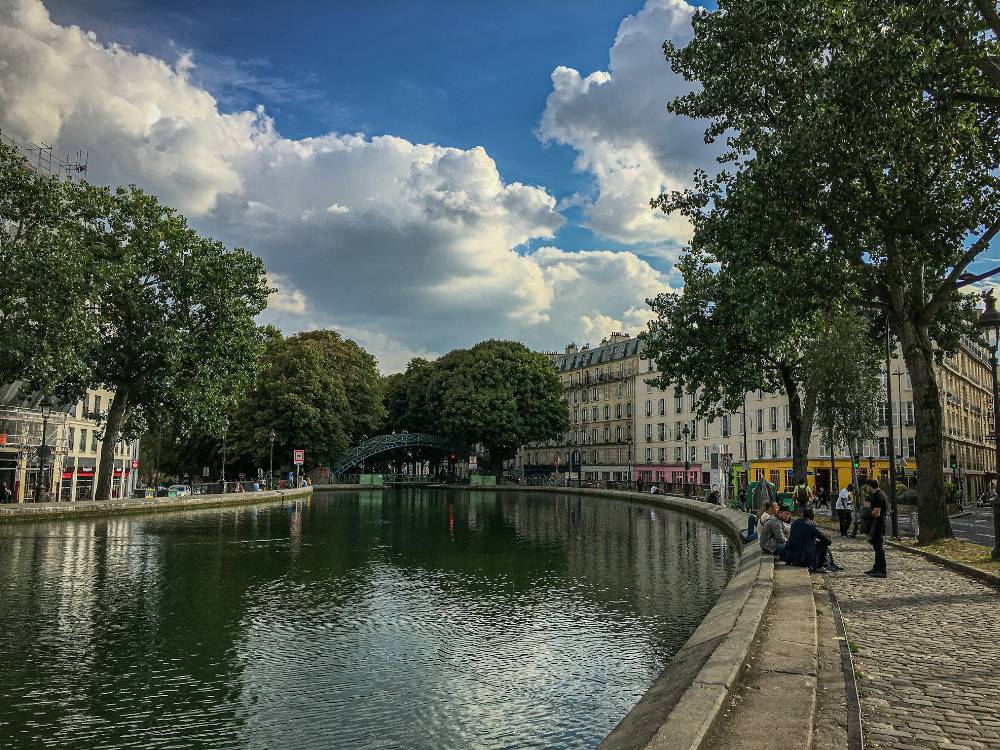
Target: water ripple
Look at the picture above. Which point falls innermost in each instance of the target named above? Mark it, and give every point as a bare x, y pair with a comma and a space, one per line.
415, 620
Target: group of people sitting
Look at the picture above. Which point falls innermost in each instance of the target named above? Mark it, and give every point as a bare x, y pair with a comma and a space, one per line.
798, 542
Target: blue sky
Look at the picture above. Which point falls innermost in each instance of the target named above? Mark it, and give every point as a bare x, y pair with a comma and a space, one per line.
454, 73
420, 176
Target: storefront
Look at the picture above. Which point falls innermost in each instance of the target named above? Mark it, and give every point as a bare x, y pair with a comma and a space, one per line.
85, 474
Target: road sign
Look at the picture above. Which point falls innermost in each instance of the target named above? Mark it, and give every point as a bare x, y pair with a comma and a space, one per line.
473, 461
3, 438
555, 459
298, 457
135, 463
746, 466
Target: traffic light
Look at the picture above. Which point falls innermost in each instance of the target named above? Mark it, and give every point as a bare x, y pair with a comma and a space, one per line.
857, 464
452, 456
953, 460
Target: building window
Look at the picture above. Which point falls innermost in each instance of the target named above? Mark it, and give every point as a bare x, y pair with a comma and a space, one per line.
649, 386
618, 411
911, 447
788, 447
760, 449
662, 407
677, 454
72, 434
83, 439
773, 414
909, 412
93, 441
628, 410
678, 404
97, 406
662, 453
760, 420
661, 431
694, 429
883, 447
725, 425
649, 455
607, 411
787, 417
607, 434
705, 453
649, 432
704, 428
774, 449
677, 430
649, 408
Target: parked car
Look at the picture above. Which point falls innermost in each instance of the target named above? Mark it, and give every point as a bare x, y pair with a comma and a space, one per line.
178, 490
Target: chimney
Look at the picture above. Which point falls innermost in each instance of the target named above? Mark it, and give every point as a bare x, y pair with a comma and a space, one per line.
571, 348
618, 336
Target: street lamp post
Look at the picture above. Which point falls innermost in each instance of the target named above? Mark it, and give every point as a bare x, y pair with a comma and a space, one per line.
222, 472
687, 462
43, 455
270, 466
989, 322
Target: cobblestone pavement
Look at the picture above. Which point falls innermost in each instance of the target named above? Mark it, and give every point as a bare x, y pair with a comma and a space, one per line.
928, 648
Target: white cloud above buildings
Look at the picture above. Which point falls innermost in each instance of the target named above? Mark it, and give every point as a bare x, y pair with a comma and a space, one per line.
411, 248
616, 121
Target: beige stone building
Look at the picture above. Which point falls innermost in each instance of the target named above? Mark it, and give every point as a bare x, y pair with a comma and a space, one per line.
74, 436
599, 388
639, 434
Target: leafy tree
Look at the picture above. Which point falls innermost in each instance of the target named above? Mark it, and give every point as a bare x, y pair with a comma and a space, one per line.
738, 327
842, 370
499, 395
176, 314
841, 115
318, 392
47, 326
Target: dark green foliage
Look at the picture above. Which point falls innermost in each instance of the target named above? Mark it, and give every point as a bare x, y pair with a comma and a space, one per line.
868, 127
498, 395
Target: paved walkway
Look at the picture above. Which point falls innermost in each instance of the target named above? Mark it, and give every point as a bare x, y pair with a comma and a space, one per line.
781, 671
927, 647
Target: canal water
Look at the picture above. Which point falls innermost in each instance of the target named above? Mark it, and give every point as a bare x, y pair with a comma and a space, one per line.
413, 619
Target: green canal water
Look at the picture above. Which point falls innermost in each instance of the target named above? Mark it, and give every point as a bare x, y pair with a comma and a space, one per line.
413, 619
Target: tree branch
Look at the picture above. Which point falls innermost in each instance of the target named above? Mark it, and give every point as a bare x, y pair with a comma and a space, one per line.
989, 11
950, 284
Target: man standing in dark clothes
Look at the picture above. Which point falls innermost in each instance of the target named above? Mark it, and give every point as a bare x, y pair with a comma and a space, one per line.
876, 529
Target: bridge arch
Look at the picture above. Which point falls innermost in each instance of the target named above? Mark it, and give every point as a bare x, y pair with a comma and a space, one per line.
383, 443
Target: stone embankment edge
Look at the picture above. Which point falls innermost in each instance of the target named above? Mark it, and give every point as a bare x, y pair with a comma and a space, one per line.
967, 570
681, 707
89, 509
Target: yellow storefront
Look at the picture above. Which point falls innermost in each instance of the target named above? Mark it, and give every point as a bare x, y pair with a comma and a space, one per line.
779, 472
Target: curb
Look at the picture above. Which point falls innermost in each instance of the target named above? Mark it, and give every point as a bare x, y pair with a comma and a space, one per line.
991, 579
90, 508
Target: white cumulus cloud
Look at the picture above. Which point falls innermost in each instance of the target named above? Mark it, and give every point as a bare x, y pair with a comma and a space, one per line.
410, 248
617, 122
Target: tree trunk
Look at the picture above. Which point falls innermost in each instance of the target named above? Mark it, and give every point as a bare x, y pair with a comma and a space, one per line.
112, 428
918, 353
802, 421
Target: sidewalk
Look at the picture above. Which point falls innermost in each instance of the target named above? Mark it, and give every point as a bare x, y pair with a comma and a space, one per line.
927, 653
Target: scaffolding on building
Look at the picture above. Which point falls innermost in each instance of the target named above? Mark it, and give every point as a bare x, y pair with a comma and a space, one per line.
42, 157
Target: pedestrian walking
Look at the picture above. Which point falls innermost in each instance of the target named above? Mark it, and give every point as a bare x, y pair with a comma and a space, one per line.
638, 484
876, 529
5, 496
844, 508
824, 498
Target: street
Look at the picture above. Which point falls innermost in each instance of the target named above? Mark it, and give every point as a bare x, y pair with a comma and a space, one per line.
976, 527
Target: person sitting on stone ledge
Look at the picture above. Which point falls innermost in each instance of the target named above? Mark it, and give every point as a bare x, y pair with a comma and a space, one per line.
807, 546
772, 534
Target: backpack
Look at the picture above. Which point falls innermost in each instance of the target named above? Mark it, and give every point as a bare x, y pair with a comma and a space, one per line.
801, 495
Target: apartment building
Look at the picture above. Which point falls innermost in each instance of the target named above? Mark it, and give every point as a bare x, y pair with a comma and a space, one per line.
602, 424
74, 437
599, 388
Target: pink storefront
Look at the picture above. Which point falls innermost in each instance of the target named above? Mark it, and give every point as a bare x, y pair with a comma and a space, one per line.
669, 474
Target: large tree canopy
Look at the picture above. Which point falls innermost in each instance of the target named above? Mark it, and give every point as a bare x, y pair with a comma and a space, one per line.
317, 391
498, 395
843, 116
176, 314
47, 324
